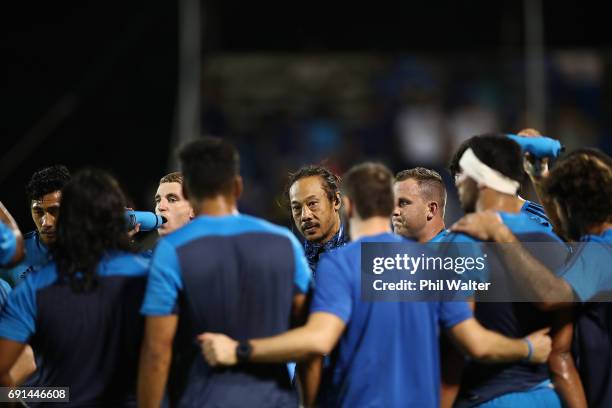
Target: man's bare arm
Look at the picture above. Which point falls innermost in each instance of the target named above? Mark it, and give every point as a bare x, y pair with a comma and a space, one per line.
452, 363
10, 351
24, 367
155, 357
317, 338
309, 370
537, 176
561, 363
539, 282
490, 347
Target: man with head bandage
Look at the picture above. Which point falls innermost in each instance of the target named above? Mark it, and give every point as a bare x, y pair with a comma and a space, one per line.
580, 188
488, 170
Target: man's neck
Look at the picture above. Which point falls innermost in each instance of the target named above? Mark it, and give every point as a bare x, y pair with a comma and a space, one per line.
599, 229
491, 200
371, 226
332, 232
217, 206
435, 226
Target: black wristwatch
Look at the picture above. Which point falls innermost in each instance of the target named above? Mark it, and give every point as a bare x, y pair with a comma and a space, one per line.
243, 351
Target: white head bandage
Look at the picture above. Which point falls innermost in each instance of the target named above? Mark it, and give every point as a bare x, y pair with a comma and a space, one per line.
483, 174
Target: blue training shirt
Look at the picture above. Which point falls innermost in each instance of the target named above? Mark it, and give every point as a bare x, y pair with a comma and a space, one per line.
388, 355
5, 290
87, 341
36, 256
8, 244
588, 271
235, 275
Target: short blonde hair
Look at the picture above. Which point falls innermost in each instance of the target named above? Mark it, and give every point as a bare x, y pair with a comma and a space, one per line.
174, 177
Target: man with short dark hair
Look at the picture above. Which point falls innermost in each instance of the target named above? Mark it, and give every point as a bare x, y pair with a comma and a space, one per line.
314, 198
223, 271
382, 353
420, 200
44, 192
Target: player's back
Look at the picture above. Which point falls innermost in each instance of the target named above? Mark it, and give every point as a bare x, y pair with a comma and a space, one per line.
88, 341
388, 354
238, 277
482, 382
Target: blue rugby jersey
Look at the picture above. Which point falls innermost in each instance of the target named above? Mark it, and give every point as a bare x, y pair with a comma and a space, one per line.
235, 275
90, 341
388, 355
36, 256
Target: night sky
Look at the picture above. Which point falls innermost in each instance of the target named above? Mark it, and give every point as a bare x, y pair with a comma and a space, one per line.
114, 66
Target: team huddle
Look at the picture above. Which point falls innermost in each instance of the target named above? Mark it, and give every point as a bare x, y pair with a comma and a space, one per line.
229, 310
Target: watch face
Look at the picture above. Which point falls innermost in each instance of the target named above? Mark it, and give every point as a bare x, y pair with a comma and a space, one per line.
243, 351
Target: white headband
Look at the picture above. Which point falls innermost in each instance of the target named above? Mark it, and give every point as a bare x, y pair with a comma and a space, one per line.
483, 174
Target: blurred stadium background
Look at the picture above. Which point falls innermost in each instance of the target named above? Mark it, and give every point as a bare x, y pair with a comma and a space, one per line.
118, 85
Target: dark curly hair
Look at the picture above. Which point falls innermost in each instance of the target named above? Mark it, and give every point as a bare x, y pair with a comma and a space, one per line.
47, 181
91, 223
582, 184
331, 182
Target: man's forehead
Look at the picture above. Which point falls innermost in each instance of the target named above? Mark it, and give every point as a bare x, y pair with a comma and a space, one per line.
408, 186
170, 188
305, 188
48, 200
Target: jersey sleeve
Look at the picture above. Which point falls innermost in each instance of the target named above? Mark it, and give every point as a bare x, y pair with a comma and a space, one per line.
164, 282
588, 271
333, 290
303, 274
18, 317
8, 244
453, 313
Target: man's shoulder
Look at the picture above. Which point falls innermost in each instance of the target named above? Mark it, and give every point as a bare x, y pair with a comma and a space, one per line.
524, 223
36, 256
458, 238
124, 263
536, 213
225, 227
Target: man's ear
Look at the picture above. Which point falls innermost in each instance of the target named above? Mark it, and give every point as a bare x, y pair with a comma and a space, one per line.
433, 209
337, 201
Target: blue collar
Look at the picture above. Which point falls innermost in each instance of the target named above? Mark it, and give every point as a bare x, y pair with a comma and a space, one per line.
314, 250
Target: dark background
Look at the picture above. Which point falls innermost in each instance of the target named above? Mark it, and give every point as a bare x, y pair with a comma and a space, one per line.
95, 82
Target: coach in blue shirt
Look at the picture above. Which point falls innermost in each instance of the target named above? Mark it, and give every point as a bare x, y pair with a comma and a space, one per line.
383, 354
580, 186
223, 271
